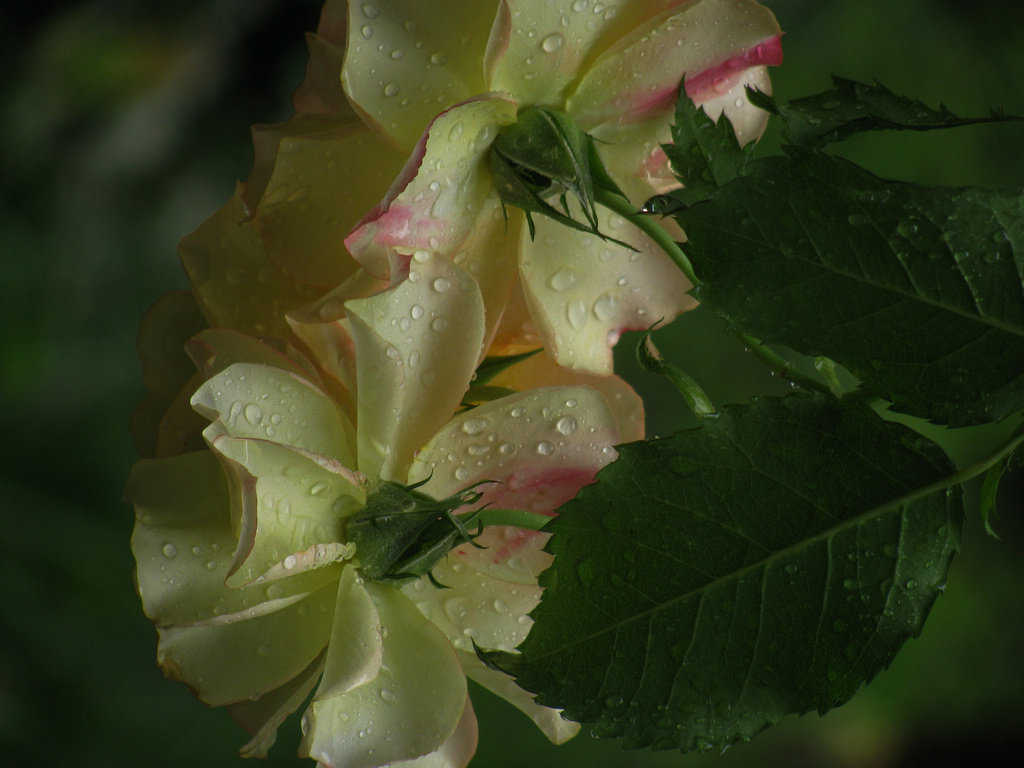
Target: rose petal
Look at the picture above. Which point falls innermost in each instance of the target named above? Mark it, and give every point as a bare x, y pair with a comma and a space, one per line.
320, 91
516, 332
537, 50
226, 663
747, 120
262, 717
639, 76
165, 370
552, 724
456, 752
356, 649
215, 349
289, 503
404, 64
436, 201
234, 280
265, 402
583, 292
417, 346
321, 186
183, 541
541, 371
475, 607
410, 709
540, 447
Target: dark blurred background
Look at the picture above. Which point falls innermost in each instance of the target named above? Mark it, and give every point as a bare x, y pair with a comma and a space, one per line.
125, 123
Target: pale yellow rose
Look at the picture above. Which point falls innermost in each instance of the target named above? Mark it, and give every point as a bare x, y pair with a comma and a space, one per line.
244, 563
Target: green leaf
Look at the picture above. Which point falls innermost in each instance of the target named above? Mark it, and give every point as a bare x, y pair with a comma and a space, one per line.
768, 562
704, 154
916, 291
851, 107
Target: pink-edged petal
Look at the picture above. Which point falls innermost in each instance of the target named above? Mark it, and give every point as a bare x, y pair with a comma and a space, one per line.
411, 708
262, 717
475, 607
436, 200
265, 402
639, 76
552, 724
541, 371
583, 291
747, 120
165, 367
405, 62
322, 184
539, 446
230, 662
234, 280
356, 649
417, 346
289, 504
537, 50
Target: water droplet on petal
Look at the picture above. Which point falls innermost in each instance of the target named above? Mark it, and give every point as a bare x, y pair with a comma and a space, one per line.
552, 42
563, 280
442, 284
391, 89
170, 550
566, 425
545, 448
576, 311
439, 59
290, 562
387, 695
253, 414
367, 31
605, 307
474, 426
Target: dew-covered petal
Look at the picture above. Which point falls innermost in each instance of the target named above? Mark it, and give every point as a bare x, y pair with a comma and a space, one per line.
288, 504
552, 724
747, 120
417, 346
405, 61
229, 662
234, 280
322, 184
540, 447
410, 709
456, 752
541, 371
164, 330
435, 201
356, 649
183, 540
265, 402
537, 50
584, 291
638, 77
476, 607
262, 717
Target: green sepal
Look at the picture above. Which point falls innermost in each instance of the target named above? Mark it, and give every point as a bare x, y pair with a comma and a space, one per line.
402, 533
543, 155
493, 365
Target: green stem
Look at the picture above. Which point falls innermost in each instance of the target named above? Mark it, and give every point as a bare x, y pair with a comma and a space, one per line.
646, 224
530, 521
649, 227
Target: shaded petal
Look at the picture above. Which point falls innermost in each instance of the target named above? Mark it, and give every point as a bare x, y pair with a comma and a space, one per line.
552, 724
417, 346
165, 328
320, 91
639, 76
437, 198
410, 709
541, 371
356, 649
288, 506
406, 62
537, 50
262, 717
230, 662
539, 446
234, 280
260, 401
583, 291
216, 349
322, 184
183, 541
516, 332
456, 752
